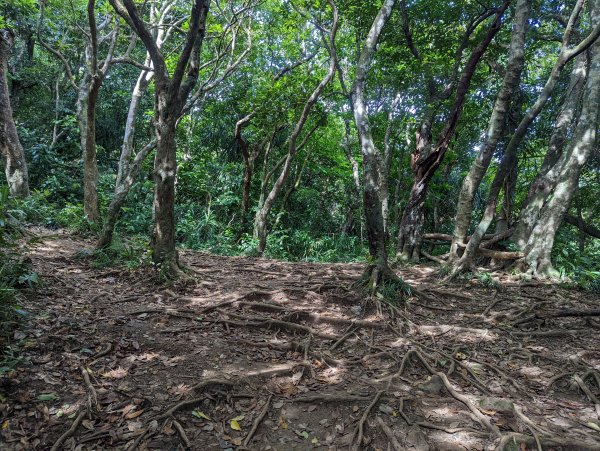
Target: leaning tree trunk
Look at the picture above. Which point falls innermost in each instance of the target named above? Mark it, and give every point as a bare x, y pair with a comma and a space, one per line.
539, 246
546, 179
127, 171
260, 221
10, 146
514, 67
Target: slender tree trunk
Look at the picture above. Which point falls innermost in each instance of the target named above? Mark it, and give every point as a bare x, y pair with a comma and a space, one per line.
384, 168
471, 183
86, 112
260, 220
10, 145
538, 249
546, 179
372, 160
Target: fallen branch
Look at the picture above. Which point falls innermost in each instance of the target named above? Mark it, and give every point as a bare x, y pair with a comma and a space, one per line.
92, 396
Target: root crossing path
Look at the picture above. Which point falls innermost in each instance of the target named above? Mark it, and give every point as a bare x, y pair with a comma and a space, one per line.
266, 355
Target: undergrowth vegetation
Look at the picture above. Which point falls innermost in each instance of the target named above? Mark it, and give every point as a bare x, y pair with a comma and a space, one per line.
15, 272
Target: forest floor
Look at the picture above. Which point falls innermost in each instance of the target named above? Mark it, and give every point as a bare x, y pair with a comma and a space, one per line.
267, 355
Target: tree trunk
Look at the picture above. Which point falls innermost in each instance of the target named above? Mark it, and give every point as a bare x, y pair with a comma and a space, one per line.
171, 94
514, 67
372, 160
541, 241
260, 220
545, 180
426, 163
165, 170
10, 145
86, 112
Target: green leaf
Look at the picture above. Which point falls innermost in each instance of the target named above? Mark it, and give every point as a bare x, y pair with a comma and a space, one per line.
201, 415
47, 397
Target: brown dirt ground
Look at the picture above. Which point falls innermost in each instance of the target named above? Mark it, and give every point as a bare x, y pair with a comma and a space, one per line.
266, 355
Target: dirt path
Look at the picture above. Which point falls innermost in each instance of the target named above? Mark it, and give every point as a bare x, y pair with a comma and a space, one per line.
266, 355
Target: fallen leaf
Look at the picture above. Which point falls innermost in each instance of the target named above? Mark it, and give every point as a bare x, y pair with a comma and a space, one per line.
132, 415
47, 397
201, 415
233, 424
593, 426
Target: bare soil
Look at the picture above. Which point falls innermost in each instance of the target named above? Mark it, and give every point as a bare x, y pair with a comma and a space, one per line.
266, 355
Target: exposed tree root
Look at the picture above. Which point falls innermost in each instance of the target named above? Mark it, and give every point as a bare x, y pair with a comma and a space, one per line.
544, 441
184, 438
257, 422
331, 398
383, 283
200, 387
389, 434
358, 436
58, 445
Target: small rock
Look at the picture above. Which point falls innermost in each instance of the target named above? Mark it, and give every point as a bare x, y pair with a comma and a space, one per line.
497, 404
433, 385
386, 409
417, 440
357, 309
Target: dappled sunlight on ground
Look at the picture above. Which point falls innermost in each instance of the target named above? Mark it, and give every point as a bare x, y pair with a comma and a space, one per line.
289, 356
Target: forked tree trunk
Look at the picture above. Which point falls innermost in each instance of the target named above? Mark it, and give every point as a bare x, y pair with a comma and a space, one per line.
546, 179
471, 183
539, 246
171, 94
410, 234
10, 145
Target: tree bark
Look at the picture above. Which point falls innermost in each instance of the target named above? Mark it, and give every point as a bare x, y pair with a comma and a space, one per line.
10, 145
471, 183
426, 163
546, 179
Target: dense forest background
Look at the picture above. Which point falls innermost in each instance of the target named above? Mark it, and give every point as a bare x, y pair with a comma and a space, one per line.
422, 178
293, 118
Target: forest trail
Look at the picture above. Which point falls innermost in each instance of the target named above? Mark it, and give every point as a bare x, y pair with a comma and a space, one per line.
267, 355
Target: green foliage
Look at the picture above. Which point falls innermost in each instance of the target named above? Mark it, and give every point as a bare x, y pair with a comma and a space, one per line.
130, 254
15, 271
486, 280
